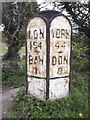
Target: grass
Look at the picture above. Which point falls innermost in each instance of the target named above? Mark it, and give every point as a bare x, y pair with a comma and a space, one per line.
70, 107
73, 106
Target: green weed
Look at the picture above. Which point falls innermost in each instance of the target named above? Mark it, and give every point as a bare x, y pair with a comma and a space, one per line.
15, 78
70, 107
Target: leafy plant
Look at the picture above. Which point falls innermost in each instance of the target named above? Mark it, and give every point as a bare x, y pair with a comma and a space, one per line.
28, 107
15, 78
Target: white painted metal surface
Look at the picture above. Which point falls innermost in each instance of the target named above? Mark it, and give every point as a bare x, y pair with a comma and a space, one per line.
60, 33
60, 44
36, 57
36, 47
58, 88
60, 36
37, 88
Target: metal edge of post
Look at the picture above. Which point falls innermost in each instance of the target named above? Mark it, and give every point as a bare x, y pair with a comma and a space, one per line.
70, 57
47, 58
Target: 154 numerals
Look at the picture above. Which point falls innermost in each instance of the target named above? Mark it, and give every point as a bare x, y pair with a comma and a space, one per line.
35, 45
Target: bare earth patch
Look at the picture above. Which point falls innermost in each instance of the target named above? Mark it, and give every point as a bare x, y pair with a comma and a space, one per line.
8, 94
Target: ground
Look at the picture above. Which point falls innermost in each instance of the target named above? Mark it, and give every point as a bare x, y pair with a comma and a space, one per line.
8, 94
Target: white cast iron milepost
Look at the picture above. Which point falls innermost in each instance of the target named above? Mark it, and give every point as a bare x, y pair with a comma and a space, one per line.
48, 55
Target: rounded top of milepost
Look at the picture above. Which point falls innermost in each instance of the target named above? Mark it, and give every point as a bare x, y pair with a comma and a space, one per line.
48, 13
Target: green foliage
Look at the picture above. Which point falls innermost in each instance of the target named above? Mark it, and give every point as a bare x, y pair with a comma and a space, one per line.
82, 65
15, 78
79, 47
15, 18
27, 107
69, 107
80, 50
22, 50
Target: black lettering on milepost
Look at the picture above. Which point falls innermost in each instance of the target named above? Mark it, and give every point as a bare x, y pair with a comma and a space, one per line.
54, 60
65, 60
41, 61
29, 34
36, 59
67, 34
62, 33
35, 70
59, 70
30, 45
60, 60
58, 33
35, 34
41, 34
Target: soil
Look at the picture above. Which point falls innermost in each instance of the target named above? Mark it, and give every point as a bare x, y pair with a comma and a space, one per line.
8, 93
